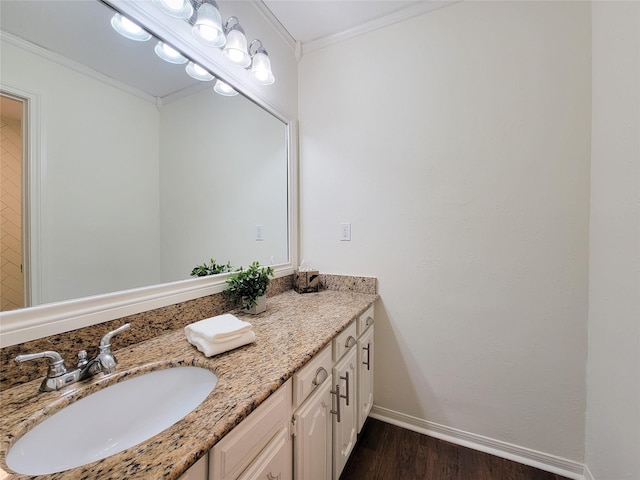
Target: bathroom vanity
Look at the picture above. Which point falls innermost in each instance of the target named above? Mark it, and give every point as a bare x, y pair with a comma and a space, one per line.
272, 411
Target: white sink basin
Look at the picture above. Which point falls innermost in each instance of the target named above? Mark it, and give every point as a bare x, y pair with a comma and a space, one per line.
111, 420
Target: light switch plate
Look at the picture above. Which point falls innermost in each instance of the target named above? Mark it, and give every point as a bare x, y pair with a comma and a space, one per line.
345, 232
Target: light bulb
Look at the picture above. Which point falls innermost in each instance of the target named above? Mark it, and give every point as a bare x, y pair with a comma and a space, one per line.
235, 56
208, 26
235, 51
261, 69
196, 71
224, 89
129, 29
176, 8
169, 54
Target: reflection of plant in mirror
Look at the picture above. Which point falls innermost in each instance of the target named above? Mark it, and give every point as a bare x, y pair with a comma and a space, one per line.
210, 269
246, 286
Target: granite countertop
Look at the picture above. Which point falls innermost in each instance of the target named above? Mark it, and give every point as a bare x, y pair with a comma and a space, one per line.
293, 329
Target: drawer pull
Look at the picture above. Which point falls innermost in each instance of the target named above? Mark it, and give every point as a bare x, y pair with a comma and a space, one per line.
336, 412
350, 342
346, 397
321, 376
369, 320
367, 362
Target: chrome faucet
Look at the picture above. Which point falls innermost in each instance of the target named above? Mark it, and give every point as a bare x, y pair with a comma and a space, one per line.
58, 376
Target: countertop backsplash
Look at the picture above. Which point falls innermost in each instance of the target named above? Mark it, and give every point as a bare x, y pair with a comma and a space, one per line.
348, 283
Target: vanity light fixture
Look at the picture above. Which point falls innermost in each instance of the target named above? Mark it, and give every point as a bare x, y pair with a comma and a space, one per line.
196, 71
224, 89
176, 8
260, 64
208, 25
169, 54
129, 29
235, 50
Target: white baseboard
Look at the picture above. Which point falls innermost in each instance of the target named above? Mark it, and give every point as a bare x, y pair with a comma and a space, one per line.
587, 474
533, 458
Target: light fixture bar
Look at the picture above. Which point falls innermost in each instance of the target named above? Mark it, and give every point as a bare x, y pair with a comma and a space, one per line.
207, 27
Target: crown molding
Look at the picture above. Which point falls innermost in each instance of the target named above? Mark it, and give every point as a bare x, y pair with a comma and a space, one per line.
395, 17
75, 66
275, 23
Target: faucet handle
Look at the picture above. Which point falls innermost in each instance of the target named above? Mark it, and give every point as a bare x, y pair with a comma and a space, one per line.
56, 363
107, 360
105, 343
82, 358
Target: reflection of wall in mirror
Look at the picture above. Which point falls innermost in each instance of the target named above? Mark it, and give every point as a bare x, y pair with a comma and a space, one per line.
100, 210
116, 214
223, 171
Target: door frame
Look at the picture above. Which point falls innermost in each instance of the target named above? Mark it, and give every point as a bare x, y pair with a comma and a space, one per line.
32, 190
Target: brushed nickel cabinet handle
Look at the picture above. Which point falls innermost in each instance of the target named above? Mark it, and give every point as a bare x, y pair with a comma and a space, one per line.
369, 320
321, 376
350, 342
367, 362
346, 379
336, 412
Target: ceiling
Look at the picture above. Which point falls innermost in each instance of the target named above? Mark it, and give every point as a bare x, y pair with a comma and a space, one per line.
313, 20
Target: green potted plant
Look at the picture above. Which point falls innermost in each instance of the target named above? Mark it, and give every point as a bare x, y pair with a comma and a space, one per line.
247, 288
211, 268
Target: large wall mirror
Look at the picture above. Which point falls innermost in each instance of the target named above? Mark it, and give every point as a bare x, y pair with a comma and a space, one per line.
143, 172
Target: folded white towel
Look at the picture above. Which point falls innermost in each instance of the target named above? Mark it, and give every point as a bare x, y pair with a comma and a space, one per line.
214, 348
217, 329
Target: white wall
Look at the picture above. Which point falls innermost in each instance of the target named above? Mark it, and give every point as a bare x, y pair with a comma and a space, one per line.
457, 144
96, 163
613, 368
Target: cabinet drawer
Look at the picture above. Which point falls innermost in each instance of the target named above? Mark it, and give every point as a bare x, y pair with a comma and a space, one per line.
365, 320
303, 380
345, 341
231, 455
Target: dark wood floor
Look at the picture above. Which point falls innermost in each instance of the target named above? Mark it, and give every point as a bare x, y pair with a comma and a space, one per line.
387, 452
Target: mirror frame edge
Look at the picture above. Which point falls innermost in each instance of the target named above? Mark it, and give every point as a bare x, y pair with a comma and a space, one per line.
18, 326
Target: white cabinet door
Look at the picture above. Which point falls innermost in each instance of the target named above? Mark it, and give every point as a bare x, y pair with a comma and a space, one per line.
365, 376
345, 428
274, 463
232, 455
312, 445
